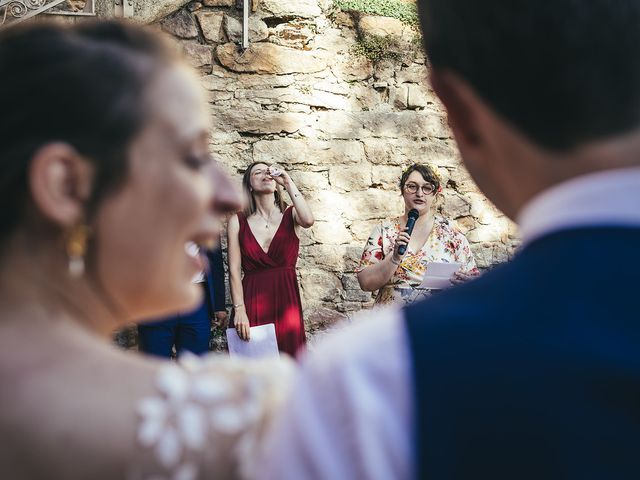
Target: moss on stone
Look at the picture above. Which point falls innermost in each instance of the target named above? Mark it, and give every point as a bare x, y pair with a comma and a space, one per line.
377, 48
402, 10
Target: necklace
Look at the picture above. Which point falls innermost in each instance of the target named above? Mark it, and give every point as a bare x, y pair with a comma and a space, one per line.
267, 220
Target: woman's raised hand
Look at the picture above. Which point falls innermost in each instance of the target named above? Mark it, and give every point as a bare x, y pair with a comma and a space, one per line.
279, 174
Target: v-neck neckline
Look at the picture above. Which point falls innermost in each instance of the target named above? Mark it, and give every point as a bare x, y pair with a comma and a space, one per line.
272, 238
409, 249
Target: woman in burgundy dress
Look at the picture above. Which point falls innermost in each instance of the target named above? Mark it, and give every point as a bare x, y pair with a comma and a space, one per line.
263, 244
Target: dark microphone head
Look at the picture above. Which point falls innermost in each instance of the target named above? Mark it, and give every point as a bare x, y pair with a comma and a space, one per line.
412, 216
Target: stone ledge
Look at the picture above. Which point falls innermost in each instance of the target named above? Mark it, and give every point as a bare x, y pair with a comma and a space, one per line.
269, 58
149, 11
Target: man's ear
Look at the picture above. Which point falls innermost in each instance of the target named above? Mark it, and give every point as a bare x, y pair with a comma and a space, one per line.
462, 105
60, 180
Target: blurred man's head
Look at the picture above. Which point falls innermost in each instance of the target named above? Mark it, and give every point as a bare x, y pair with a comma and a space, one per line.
536, 88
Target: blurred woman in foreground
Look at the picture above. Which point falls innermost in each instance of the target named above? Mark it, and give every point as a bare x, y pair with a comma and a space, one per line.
105, 184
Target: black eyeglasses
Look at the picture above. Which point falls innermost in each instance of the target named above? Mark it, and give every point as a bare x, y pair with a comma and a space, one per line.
427, 188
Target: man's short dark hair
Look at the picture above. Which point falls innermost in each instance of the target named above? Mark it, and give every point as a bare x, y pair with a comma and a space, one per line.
563, 72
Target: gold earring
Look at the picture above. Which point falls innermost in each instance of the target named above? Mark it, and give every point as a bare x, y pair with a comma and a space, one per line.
77, 242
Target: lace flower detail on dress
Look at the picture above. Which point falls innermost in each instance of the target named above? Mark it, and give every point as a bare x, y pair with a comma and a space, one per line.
203, 403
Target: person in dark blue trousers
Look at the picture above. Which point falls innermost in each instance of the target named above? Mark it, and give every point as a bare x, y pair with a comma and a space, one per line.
189, 331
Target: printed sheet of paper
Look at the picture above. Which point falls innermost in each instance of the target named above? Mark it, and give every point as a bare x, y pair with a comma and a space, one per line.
438, 275
262, 342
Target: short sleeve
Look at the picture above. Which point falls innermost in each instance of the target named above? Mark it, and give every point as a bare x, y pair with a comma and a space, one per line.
207, 416
463, 253
373, 251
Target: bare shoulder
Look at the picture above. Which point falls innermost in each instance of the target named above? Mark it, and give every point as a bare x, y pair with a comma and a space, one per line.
105, 413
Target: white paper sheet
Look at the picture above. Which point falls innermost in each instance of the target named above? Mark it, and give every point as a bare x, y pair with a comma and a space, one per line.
262, 342
438, 275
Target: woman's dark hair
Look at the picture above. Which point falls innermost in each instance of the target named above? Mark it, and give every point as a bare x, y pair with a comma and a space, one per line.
251, 202
428, 173
82, 85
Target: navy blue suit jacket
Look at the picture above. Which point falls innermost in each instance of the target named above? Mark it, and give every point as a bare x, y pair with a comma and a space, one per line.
533, 370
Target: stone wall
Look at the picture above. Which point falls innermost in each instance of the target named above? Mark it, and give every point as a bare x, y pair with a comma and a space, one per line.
305, 95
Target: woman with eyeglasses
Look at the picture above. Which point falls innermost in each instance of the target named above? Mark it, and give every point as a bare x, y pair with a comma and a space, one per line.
396, 276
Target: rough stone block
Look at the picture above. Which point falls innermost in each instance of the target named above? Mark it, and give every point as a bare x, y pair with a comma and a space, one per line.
194, 6
333, 233
211, 25
488, 254
350, 307
269, 58
326, 257
319, 285
351, 68
496, 232
332, 87
274, 96
384, 152
372, 204
413, 74
289, 9
381, 26
258, 30
385, 70
301, 151
323, 319
456, 206
327, 206
181, 24
399, 97
350, 281
219, 3
292, 35
349, 178
309, 181
361, 229
357, 296
197, 55
149, 11
465, 224
417, 97
257, 122
377, 124
388, 177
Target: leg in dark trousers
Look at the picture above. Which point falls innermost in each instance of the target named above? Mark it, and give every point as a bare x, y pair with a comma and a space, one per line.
194, 331
157, 338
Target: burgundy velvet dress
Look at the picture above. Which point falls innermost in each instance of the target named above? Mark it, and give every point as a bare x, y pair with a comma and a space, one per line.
271, 293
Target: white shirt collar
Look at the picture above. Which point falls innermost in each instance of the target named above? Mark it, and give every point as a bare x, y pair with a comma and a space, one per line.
609, 198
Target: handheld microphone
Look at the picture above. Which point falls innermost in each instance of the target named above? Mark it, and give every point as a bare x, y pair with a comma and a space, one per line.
411, 222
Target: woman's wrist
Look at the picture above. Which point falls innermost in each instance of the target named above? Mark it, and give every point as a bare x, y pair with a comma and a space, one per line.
237, 306
394, 261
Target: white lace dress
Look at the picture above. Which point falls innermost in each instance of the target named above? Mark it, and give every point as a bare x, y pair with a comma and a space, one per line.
208, 414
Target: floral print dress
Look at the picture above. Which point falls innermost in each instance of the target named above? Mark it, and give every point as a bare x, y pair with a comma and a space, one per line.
445, 244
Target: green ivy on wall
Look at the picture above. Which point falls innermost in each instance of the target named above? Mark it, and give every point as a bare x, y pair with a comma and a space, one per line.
403, 11
377, 48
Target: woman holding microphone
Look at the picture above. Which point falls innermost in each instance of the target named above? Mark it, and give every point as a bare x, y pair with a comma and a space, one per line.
394, 262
